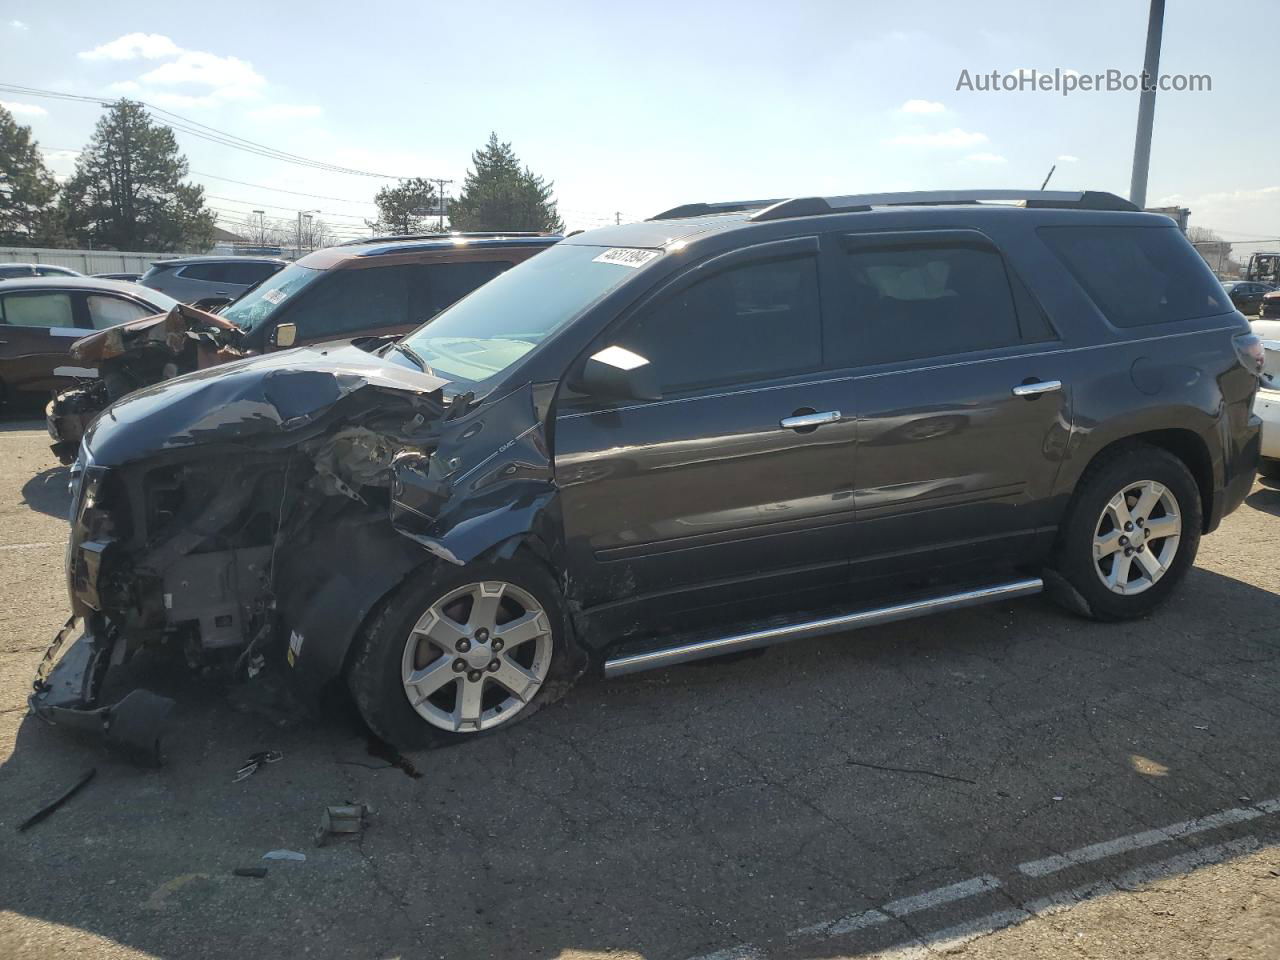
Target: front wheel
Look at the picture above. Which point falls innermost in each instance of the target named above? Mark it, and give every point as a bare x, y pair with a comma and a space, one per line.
460, 651
1131, 532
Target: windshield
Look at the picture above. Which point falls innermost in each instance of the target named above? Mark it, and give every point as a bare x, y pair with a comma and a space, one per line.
485, 333
260, 302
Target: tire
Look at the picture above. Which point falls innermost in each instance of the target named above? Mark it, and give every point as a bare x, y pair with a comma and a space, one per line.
1270, 469
383, 659
1140, 471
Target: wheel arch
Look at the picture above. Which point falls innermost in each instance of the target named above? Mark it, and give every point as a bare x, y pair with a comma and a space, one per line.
1181, 442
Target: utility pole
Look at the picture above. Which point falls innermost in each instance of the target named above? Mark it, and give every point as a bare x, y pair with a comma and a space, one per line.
1147, 106
617, 217
262, 227
440, 200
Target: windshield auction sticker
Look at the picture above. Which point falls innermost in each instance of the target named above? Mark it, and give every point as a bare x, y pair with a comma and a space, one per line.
627, 256
274, 296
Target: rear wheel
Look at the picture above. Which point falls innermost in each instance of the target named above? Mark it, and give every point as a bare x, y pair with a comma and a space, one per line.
1131, 532
460, 651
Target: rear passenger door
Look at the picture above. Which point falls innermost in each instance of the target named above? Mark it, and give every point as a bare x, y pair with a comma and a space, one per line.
962, 416
353, 302
37, 329
712, 503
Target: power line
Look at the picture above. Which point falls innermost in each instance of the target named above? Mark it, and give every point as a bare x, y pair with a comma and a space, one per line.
204, 131
296, 193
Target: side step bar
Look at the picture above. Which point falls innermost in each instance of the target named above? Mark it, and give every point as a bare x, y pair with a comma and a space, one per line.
736, 642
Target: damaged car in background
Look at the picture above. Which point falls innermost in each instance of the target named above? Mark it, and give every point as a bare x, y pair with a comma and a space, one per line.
381, 287
727, 427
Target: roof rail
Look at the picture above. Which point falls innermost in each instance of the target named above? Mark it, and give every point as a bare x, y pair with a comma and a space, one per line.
704, 209
1036, 199
445, 235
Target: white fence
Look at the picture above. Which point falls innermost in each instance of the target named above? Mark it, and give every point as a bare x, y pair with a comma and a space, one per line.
87, 261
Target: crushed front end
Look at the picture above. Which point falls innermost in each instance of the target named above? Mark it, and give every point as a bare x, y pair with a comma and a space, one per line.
251, 517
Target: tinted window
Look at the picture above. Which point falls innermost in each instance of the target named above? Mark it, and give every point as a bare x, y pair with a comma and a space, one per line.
212, 272
351, 301
746, 324
247, 274
1139, 275
912, 302
48, 271
108, 311
20, 270
437, 285
38, 310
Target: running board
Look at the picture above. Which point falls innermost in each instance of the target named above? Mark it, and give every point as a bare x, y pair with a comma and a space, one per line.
737, 642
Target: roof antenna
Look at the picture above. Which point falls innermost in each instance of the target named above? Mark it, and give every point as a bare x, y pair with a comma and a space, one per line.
1048, 175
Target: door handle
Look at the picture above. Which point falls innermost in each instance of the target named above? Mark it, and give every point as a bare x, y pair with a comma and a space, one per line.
809, 420
1036, 387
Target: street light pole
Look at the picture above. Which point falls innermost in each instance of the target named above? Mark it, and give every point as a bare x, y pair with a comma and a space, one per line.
262, 227
1147, 106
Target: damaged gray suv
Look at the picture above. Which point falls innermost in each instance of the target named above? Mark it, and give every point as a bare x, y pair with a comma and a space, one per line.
726, 427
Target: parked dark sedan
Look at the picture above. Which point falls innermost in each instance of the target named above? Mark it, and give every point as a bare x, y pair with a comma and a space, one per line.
1246, 295
41, 317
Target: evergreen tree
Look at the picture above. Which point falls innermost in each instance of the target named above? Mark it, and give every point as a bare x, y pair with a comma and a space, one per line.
498, 194
128, 192
401, 208
28, 215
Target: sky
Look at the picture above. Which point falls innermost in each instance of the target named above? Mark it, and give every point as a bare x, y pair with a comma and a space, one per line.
634, 108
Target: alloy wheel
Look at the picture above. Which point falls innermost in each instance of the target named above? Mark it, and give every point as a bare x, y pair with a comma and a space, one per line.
1136, 537
477, 656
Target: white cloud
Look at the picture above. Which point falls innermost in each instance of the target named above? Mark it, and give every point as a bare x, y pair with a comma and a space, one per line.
955, 137
124, 86
1068, 158
286, 111
987, 158
229, 77
922, 106
23, 109
131, 46
18, 25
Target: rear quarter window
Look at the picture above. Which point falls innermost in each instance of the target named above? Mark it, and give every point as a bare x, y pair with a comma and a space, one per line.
1138, 276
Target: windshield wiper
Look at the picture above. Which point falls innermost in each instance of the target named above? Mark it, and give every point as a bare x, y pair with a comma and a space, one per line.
412, 354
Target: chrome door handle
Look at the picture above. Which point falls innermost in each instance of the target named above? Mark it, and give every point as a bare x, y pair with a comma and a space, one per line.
1037, 388
809, 420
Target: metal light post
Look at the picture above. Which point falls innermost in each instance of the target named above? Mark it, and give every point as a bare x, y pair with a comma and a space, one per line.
1147, 106
262, 227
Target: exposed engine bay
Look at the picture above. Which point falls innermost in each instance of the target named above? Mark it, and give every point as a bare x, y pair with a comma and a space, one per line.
134, 355
269, 508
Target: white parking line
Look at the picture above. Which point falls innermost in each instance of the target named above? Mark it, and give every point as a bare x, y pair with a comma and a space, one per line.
1136, 841
32, 546
960, 934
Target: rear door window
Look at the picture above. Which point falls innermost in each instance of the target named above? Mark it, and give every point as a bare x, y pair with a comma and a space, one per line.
914, 301
247, 274
38, 310
351, 301
107, 311
743, 325
438, 285
1139, 275
210, 272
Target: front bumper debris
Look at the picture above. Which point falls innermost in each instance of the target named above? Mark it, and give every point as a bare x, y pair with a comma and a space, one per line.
65, 692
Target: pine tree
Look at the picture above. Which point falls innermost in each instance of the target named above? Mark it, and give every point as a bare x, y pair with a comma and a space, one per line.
128, 192
400, 208
498, 194
28, 215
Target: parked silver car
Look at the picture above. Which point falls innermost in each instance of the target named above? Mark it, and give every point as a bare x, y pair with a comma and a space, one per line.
197, 279
9, 271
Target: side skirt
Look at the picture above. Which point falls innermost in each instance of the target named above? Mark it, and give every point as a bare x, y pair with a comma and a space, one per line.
734, 643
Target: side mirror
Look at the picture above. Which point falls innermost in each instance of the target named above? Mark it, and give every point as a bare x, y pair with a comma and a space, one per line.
284, 335
618, 374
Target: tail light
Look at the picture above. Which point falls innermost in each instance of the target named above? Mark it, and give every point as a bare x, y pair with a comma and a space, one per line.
1250, 351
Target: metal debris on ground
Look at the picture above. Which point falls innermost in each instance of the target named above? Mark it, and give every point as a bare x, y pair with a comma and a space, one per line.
342, 818
284, 855
255, 760
48, 808
258, 872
